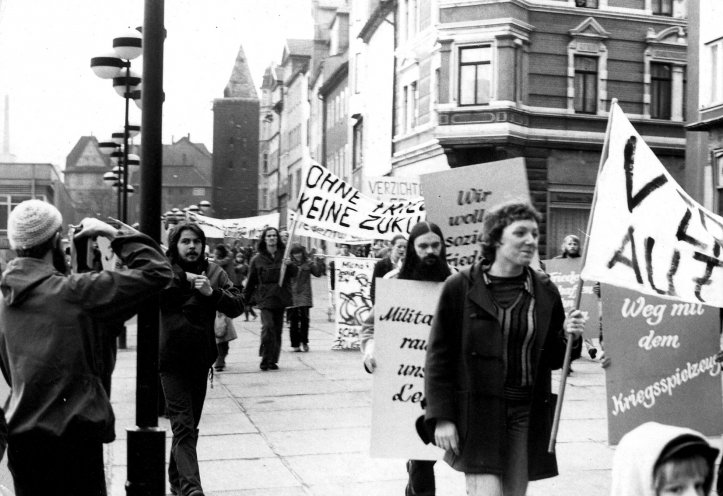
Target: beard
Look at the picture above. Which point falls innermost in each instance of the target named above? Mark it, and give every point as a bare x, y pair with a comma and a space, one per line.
430, 268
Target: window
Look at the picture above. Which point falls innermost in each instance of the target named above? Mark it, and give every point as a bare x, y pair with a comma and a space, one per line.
585, 85
414, 109
357, 143
198, 192
660, 91
475, 75
662, 7
590, 4
266, 163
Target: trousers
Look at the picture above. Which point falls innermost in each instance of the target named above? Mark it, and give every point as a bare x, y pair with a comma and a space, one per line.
272, 323
298, 326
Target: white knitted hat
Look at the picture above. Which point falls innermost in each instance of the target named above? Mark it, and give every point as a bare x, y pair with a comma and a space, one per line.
31, 223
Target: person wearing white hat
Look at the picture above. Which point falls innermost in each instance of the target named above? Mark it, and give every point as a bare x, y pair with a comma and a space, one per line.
51, 332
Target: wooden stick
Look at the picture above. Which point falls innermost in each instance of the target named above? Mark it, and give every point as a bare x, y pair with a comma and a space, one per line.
578, 294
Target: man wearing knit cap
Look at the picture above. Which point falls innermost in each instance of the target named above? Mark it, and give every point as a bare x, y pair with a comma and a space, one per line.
51, 334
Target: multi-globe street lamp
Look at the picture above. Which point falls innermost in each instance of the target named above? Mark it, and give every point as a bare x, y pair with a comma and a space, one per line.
117, 66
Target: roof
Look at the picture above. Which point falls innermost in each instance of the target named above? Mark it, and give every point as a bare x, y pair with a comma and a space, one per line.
299, 47
177, 176
75, 154
240, 84
172, 154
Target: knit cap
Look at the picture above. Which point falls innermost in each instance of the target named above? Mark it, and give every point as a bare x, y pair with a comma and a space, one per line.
31, 223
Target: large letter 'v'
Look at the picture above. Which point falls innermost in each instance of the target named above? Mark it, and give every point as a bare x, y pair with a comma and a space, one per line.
629, 163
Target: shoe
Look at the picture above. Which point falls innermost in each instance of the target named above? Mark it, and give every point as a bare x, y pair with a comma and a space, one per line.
592, 352
304, 347
220, 364
264, 366
296, 349
273, 366
196, 492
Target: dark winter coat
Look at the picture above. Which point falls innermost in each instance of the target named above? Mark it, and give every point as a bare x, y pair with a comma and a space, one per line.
262, 286
188, 341
464, 373
381, 268
301, 283
52, 332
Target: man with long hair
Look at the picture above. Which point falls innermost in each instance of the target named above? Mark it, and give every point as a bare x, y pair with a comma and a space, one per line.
425, 260
263, 287
188, 345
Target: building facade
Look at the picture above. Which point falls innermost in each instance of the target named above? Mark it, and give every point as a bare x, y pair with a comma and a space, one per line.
269, 138
479, 81
236, 145
705, 102
84, 169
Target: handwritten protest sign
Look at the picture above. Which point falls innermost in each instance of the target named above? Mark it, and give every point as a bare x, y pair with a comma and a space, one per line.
565, 273
352, 294
662, 362
328, 202
392, 189
303, 229
246, 227
648, 234
456, 201
402, 321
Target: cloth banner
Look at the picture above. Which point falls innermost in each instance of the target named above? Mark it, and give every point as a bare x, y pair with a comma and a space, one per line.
662, 363
565, 273
303, 229
648, 234
392, 188
327, 202
352, 296
245, 227
456, 201
402, 321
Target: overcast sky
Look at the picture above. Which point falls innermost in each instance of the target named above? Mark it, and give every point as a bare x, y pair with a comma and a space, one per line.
46, 47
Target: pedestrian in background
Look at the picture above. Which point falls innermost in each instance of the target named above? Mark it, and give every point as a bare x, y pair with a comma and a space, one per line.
51, 330
241, 268
302, 297
426, 260
223, 325
390, 262
498, 331
272, 299
663, 460
198, 291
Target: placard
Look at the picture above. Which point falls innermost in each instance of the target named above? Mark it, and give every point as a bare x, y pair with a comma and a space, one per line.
565, 273
402, 321
392, 188
352, 296
663, 367
457, 199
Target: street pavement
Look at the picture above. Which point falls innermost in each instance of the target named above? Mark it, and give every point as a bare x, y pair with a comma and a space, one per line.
304, 429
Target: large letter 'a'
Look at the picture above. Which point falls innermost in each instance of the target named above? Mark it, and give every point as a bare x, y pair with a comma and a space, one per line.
628, 165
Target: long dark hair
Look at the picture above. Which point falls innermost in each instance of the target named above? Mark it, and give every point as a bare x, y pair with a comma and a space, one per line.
412, 264
280, 246
175, 235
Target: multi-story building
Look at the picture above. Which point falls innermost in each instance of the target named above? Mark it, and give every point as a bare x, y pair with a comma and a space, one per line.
84, 169
479, 81
236, 145
22, 181
705, 102
269, 138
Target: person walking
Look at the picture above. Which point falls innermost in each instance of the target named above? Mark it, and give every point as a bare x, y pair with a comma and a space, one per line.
189, 304
263, 288
241, 267
52, 329
425, 260
302, 297
223, 325
498, 331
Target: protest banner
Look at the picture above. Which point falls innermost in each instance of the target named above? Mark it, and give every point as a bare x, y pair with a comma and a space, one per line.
662, 362
647, 234
327, 202
392, 188
565, 273
334, 236
402, 321
352, 295
245, 227
456, 201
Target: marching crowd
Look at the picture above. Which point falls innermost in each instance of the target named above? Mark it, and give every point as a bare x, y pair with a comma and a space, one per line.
498, 332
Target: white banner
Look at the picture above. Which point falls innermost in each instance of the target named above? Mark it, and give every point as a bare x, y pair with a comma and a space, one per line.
327, 202
303, 229
392, 188
402, 321
352, 294
647, 233
246, 227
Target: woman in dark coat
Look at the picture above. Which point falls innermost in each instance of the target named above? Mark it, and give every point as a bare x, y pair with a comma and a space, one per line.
302, 296
263, 287
496, 336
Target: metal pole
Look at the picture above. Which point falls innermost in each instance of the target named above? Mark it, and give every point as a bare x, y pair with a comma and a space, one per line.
146, 443
124, 182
